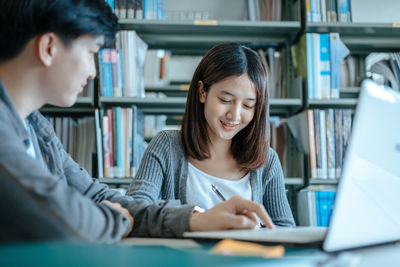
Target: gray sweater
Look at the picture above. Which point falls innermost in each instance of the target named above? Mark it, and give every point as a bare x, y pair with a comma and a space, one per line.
58, 199
163, 173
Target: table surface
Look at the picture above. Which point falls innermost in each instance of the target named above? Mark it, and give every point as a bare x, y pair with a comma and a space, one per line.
130, 254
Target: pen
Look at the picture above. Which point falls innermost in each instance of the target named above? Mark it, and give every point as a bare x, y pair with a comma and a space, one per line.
221, 196
216, 191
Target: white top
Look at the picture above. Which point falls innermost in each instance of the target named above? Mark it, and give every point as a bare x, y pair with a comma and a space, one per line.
199, 191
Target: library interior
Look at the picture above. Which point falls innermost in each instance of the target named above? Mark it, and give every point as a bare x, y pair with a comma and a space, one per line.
200, 133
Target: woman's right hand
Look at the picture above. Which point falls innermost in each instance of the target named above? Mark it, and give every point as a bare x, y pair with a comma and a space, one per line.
235, 213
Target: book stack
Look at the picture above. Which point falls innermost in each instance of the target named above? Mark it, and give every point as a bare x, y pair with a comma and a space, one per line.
120, 141
75, 135
323, 135
268, 10
139, 9
275, 63
328, 10
315, 205
121, 69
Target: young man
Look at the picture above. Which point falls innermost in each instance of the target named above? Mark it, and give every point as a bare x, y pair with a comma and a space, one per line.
47, 52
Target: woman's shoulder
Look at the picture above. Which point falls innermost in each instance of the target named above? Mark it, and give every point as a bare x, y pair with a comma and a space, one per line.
170, 138
272, 162
167, 135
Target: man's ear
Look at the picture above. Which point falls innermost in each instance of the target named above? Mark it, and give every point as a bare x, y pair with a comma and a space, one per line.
202, 93
47, 48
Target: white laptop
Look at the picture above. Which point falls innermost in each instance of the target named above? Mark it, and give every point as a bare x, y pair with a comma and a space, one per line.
366, 210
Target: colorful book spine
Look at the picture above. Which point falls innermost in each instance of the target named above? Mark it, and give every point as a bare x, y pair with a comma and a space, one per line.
310, 66
106, 148
110, 142
119, 141
324, 64
311, 144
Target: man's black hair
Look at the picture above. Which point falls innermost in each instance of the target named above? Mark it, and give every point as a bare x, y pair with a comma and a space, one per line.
22, 20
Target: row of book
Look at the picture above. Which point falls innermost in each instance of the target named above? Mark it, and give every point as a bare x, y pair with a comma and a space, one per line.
274, 61
121, 69
76, 136
315, 205
282, 142
323, 135
268, 10
139, 9
120, 141
355, 11
328, 10
384, 68
322, 54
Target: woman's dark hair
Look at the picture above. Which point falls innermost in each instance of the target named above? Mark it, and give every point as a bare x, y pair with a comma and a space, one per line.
249, 146
22, 20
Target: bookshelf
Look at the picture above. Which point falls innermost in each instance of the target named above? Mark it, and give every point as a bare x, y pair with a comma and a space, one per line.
84, 106
197, 36
167, 106
176, 105
362, 38
331, 103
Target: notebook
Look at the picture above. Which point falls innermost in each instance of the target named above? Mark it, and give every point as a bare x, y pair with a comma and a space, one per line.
366, 207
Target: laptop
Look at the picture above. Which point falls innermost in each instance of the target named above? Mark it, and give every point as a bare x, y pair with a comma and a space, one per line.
366, 210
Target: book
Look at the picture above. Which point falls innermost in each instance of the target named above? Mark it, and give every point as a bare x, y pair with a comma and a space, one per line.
330, 143
323, 70
338, 51
99, 141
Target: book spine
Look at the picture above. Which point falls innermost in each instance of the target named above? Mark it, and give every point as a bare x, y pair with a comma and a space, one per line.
332, 14
317, 132
338, 142
318, 208
315, 10
324, 71
317, 65
99, 144
106, 149
129, 133
311, 144
323, 11
323, 146
330, 143
310, 65
110, 143
343, 10
114, 72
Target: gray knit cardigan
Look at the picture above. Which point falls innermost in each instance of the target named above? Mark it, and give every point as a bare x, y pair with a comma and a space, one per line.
163, 174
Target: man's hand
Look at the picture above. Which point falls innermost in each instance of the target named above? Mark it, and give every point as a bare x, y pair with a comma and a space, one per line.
235, 213
124, 211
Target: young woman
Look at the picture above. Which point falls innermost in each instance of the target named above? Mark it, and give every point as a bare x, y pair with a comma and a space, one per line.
223, 147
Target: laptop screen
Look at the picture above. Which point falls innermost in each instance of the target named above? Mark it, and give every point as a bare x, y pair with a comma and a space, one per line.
367, 205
